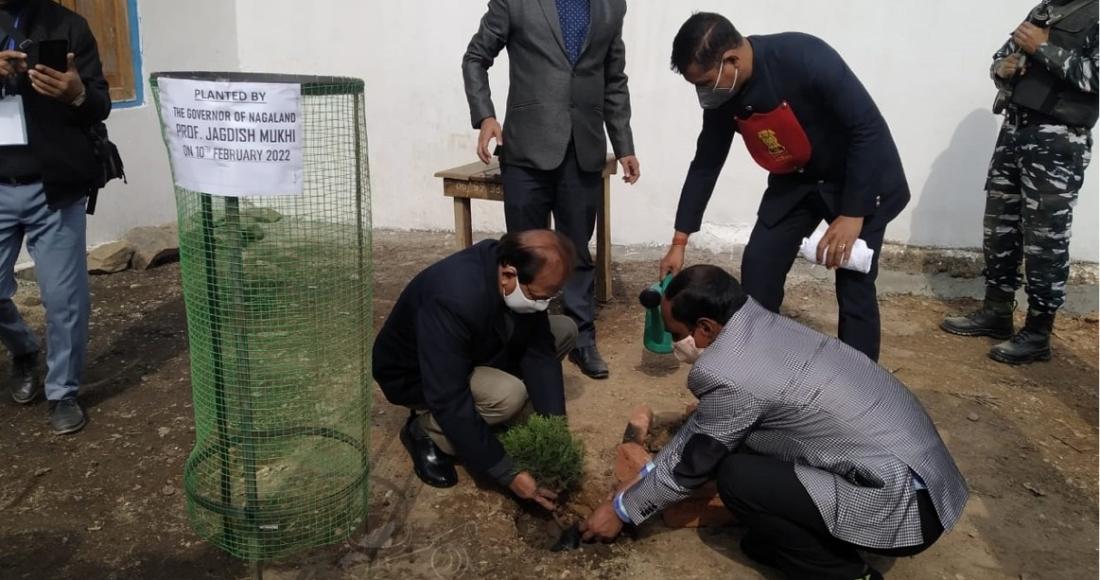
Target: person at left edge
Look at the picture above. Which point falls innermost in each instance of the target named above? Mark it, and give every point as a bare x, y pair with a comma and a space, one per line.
806, 118
566, 81
468, 343
44, 187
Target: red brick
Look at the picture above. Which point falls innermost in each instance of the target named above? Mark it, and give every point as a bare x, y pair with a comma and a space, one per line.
630, 458
698, 512
641, 417
702, 509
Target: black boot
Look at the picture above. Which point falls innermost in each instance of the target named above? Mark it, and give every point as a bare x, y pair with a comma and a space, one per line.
24, 378
431, 465
1031, 344
994, 319
66, 416
588, 359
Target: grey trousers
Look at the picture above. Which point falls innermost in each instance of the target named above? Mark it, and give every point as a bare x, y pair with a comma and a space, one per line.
573, 196
499, 396
57, 241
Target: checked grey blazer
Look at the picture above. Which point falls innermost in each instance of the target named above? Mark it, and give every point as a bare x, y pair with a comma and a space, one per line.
854, 432
551, 101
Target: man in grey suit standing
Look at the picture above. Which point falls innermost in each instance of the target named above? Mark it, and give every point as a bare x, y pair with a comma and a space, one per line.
567, 80
819, 451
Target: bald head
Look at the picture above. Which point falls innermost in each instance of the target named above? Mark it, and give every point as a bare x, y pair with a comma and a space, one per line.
542, 259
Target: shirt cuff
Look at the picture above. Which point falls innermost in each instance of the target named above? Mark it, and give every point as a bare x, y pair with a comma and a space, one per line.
631, 501
619, 509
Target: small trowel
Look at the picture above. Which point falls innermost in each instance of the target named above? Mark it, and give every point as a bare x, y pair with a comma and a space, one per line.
570, 539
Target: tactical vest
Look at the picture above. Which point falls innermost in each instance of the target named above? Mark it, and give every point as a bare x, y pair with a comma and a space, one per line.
1042, 91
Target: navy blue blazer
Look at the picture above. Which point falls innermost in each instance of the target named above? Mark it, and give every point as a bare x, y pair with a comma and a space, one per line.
855, 164
448, 320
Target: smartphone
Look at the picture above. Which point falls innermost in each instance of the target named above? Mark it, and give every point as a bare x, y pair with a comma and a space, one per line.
54, 54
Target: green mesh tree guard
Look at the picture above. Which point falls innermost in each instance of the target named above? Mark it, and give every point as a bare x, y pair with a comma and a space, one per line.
278, 296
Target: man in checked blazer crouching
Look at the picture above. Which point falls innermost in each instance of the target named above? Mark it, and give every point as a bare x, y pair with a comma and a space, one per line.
817, 449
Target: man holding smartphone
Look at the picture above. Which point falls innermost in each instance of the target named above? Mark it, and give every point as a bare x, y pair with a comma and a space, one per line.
567, 80
48, 168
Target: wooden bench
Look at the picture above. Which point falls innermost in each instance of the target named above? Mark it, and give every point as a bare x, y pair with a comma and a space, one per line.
481, 181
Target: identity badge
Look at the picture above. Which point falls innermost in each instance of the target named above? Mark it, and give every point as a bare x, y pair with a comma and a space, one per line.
13, 122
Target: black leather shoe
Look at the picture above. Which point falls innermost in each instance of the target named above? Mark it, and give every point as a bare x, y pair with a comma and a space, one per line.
66, 416
431, 465
1029, 345
588, 359
992, 319
24, 378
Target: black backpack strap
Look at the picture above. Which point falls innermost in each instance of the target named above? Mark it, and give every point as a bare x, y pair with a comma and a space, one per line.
1068, 10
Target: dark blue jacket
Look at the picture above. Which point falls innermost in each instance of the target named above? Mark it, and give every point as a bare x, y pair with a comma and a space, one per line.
855, 163
448, 320
60, 149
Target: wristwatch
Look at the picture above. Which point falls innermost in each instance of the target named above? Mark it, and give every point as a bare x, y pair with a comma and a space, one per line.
79, 100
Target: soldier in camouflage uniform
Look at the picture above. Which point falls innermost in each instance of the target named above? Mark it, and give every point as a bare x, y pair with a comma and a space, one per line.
1037, 170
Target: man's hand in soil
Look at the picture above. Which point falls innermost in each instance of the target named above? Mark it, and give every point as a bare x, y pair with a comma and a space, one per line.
602, 525
526, 487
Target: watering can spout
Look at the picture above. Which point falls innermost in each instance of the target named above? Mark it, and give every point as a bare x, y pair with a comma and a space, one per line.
655, 338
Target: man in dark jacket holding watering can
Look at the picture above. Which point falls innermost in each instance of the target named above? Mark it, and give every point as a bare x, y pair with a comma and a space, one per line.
806, 118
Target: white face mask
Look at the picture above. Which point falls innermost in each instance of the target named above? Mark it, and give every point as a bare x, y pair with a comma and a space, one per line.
715, 97
686, 351
521, 304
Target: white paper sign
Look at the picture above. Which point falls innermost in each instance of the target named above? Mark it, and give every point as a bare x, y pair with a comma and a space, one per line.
234, 139
13, 125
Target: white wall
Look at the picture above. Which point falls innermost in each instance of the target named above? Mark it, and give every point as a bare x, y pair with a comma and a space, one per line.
197, 34
924, 62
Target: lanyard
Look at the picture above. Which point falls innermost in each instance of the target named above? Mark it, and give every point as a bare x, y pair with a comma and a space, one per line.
11, 37
6, 88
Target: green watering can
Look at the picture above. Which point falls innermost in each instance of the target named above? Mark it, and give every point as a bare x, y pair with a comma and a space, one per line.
656, 339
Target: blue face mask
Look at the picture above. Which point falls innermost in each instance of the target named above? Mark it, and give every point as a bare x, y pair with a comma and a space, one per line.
716, 96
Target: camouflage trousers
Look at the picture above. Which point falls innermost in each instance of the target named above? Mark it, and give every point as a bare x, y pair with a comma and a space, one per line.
1032, 188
